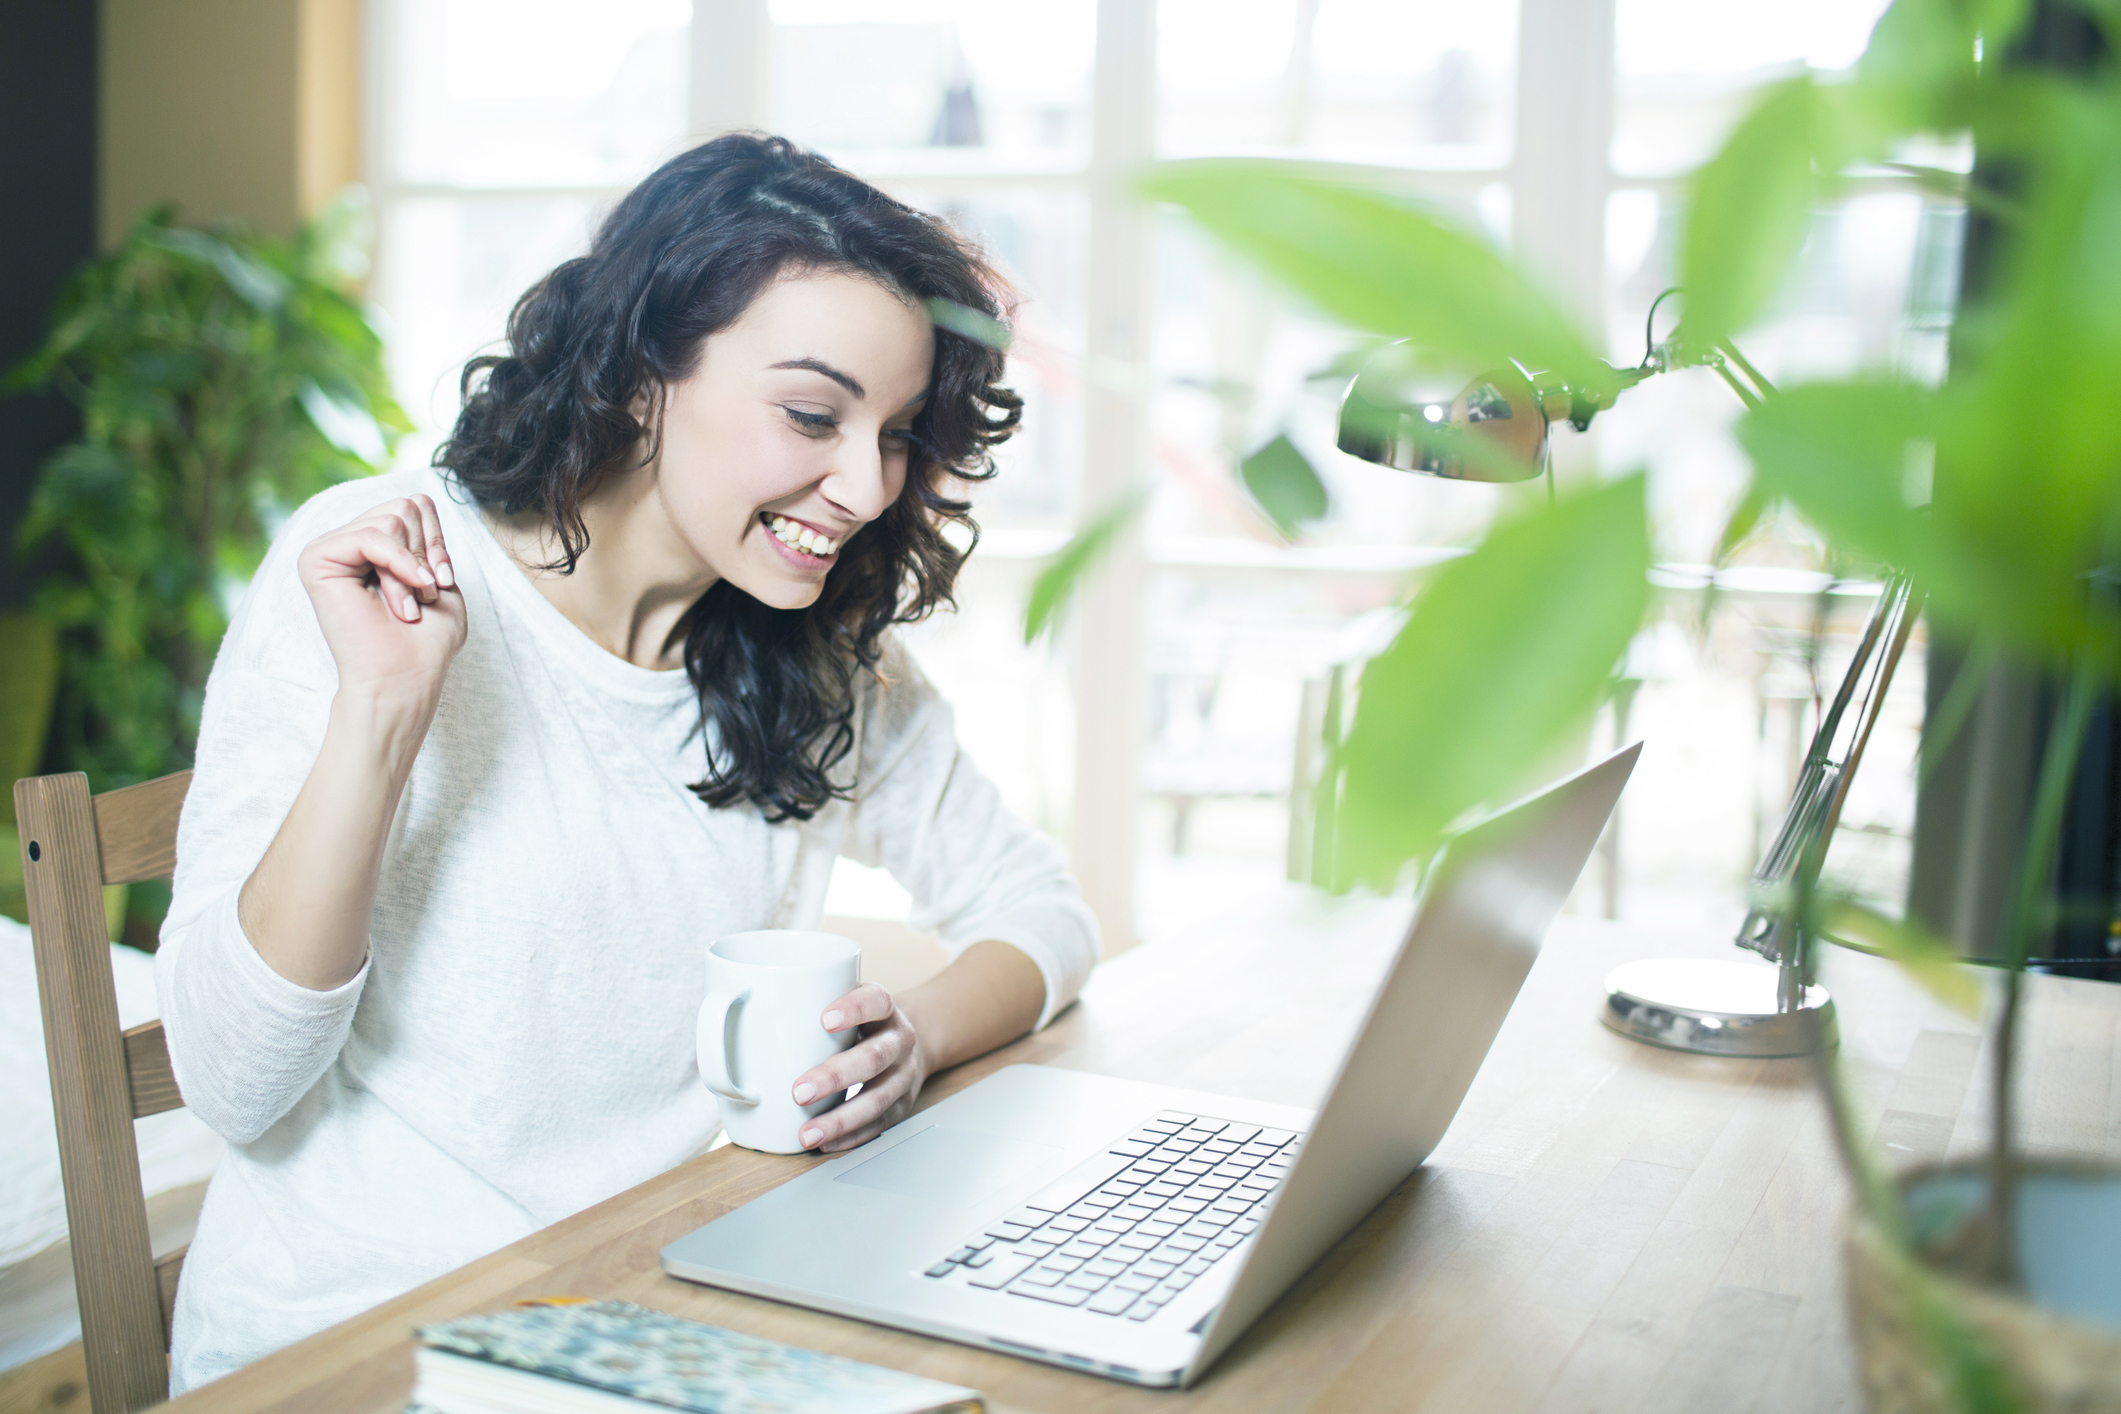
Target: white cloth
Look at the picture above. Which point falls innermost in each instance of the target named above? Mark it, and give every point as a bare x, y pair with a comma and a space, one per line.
520, 1043
37, 1312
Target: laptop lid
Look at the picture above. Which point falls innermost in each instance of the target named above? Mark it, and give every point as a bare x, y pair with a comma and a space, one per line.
1492, 898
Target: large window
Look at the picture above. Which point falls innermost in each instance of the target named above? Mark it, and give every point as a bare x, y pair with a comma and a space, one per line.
1729, 711
501, 131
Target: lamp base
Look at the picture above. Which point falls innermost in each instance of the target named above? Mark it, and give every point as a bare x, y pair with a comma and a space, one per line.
1715, 1008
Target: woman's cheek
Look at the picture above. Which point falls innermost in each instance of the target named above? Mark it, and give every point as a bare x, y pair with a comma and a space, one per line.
720, 497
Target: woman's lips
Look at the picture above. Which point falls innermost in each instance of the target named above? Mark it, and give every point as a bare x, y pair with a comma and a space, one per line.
802, 545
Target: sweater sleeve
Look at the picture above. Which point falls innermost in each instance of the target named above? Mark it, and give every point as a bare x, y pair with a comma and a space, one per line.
976, 872
245, 1042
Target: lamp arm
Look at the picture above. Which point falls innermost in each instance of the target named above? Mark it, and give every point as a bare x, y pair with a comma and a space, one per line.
1759, 379
1751, 399
1580, 403
1598, 394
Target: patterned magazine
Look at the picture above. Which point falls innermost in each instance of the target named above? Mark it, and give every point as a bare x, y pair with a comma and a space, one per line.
612, 1356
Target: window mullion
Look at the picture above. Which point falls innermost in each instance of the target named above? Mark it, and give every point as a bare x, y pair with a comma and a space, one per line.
1564, 132
1109, 680
731, 67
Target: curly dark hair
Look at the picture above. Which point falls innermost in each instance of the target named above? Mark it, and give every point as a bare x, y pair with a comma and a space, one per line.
682, 256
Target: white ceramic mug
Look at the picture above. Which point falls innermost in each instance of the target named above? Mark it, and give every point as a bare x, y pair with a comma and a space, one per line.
761, 1027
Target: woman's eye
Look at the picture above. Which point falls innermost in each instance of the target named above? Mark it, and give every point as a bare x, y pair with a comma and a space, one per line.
903, 436
812, 421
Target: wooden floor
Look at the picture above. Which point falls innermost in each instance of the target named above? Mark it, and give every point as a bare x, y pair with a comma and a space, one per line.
1605, 1227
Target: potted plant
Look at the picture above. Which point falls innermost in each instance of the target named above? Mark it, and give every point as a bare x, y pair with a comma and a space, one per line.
223, 378
1998, 490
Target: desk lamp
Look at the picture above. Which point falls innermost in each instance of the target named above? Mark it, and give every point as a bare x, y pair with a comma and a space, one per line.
1498, 428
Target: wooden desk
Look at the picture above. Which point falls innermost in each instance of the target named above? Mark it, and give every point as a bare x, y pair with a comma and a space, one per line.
1606, 1226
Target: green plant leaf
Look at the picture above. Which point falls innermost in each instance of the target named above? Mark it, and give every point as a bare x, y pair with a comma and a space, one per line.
1942, 723
1745, 517
1058, 582
84, 486
1919, 65
1738, 527
1840, 453
1920, 953
1958, 187
1377, 264
205, 364
337, 245
1917, 49
1919, 75
252, 278
2107, 13
1751, 205
2028, 466
344, 422
973, 324
1285, 484
1507, 649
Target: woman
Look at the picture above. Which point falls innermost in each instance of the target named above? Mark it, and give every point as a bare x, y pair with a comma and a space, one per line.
492, 750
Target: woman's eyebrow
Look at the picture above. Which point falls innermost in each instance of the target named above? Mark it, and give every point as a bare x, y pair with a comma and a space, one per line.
818, 365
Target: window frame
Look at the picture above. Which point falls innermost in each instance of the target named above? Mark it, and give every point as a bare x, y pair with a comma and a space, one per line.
1558, 177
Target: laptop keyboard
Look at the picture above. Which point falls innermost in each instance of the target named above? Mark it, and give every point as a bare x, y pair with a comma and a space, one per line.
1124, 1233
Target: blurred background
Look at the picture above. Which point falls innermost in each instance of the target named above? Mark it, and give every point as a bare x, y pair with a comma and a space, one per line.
1167, 734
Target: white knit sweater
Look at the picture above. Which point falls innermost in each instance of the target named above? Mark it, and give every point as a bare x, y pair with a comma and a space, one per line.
520, 1043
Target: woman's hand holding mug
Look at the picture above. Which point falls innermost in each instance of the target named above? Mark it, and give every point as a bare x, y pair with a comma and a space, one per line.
785, 1033
887, 1061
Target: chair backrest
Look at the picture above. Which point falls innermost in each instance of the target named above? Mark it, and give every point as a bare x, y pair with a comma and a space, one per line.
103, 1078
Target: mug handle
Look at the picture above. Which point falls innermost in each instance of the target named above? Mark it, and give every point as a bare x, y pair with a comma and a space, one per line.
715, 1069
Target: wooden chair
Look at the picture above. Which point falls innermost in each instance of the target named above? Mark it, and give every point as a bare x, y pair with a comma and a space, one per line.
102, 1078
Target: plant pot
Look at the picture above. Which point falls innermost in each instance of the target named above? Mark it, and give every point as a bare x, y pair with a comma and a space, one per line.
1926, 1341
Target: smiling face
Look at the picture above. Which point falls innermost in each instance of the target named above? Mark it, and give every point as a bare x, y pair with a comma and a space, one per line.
793, 432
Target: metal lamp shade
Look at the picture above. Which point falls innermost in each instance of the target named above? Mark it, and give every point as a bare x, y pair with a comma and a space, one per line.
1492, 430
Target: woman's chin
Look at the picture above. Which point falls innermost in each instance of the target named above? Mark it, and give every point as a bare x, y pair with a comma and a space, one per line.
777, 588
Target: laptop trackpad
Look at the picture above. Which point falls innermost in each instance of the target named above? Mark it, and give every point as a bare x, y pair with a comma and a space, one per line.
949, 1165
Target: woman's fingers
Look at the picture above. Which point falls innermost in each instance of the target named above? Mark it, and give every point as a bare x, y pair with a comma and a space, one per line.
860, 1119
413, 526
402, 521
864, 1004
397, 548
381, 561
403, 603
881, 1063
415, 519
887, 1084
854, 1139
857, 1065
389, 557
437, 552
366, 551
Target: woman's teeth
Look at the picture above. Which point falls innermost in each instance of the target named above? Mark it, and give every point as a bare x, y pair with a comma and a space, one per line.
800, 537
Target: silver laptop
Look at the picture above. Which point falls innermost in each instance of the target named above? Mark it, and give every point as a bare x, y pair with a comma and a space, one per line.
1135, 1230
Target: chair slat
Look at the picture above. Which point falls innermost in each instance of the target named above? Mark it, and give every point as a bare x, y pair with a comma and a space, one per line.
136, 829
167, 1269
148, 1072
99, 1163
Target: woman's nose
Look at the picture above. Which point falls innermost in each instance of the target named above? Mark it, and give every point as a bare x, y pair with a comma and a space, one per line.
860, 482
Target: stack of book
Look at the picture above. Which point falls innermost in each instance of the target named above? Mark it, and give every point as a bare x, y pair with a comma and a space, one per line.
609, 1357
